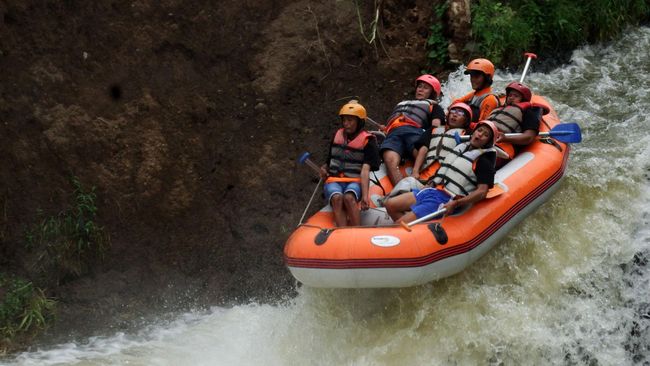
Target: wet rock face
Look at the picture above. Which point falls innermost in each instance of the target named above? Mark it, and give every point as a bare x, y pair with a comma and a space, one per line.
459, 28
187, 118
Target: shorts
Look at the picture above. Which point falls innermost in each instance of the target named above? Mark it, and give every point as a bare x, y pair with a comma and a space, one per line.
402, 140
331, 189
429, 200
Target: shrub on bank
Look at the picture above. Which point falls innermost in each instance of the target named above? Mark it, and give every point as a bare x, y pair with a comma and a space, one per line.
24, 308
63, 245
503, 30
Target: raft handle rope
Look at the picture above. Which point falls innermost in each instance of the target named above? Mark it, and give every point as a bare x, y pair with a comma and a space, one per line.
377, 182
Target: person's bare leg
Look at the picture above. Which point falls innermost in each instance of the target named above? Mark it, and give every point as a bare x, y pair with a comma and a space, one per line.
351, 207
391, 160
397, 206
337, 208
407, 217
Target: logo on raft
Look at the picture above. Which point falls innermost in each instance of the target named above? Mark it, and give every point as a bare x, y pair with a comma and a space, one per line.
384, 241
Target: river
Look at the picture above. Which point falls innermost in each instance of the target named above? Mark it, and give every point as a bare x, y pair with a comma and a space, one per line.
569, 286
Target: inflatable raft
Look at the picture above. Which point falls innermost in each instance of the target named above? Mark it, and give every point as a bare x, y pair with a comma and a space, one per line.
383, 254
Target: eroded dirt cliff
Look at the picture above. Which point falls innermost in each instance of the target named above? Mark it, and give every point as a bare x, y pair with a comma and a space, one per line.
187, 117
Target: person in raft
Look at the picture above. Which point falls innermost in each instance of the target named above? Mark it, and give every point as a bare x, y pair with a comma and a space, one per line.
408, 121
432, 147
518, 115
465, 176
435, 144
481, 99
352, 155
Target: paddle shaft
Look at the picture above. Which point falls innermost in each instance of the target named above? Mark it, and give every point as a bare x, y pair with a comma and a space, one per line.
564, 132
377, 124
529, 56
427, 217
312, 165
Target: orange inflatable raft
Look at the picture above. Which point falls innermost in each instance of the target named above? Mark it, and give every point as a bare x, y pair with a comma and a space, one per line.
382, 254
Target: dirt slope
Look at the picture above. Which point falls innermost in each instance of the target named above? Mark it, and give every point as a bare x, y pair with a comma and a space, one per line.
187, 117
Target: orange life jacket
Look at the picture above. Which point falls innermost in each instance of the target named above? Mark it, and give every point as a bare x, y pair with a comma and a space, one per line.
346, 157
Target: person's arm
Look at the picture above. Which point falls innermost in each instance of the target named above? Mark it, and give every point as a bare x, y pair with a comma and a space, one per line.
524, 138
323, 171
437, 116
475, 196
365, 186
464, 99
371, 154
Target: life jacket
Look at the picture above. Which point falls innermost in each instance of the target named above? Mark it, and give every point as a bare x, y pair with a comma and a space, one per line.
442, 142
475, 103
508, 118
411, 113
456, 174
346, 157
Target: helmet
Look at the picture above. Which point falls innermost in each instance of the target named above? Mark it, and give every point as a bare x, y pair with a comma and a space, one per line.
481, 64
431, 80
493, 128
353, 108
465, 108
523, 89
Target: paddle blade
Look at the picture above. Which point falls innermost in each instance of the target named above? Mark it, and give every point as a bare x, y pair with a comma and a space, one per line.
566, 132
495, 191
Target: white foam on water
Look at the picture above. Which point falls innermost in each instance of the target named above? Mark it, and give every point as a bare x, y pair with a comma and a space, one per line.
563, 288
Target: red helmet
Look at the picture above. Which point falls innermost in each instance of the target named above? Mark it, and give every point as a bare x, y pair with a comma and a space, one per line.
464, 107
431, 80
483, 65
493, 128
523, 89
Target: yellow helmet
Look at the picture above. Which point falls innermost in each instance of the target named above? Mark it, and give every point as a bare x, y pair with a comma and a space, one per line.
353, 108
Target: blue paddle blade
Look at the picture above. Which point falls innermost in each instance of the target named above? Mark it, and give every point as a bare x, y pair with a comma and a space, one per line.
304, 157
566, 132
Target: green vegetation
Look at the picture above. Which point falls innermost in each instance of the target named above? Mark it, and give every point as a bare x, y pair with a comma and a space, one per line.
436, 42
65, 244
23, 307
505, 29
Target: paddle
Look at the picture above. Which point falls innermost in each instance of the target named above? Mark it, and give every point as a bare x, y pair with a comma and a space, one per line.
408, 226
529, 56
377, 124
568, 133
305, 159
438, 231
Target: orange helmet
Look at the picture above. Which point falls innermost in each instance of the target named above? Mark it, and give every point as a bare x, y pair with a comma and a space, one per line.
523, 89
465, 108
353, 109
481, 64
493, 128
431, 80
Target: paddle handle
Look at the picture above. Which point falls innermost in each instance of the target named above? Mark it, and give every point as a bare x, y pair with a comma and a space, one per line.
529, 56
304, 159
